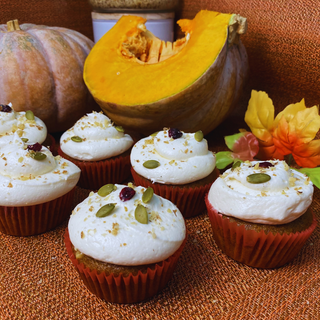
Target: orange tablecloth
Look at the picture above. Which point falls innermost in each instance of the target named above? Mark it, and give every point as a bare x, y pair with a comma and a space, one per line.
38, 281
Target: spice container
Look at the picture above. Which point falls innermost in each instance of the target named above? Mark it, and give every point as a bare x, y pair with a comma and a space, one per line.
159, 15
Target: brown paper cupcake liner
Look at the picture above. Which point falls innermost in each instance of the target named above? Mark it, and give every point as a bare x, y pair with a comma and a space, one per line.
126, 289
189, 199
95, 174
35, 219
256, 249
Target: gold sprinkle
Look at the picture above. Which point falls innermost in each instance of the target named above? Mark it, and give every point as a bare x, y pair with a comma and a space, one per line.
82, 235
20, 159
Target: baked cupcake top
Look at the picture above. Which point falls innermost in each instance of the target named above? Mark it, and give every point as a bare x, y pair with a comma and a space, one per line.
126, 235
173, 157
262, 192
30, 174
24, 124
94, 138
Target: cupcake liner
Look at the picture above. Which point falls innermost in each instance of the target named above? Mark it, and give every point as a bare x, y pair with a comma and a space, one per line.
256, 249
36, 219
125, 289
95, 174
189, 200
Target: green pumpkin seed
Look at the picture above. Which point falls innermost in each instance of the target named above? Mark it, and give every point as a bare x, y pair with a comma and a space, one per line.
236, 164
106, 210
37, 155
147, 195
25, 140
154, 134
258, 178
119, 129
198, 136
151, 164
76, 139
141, 214
29, 115
106, 189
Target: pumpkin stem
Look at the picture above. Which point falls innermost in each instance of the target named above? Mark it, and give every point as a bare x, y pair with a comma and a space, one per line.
13, 25
238, 25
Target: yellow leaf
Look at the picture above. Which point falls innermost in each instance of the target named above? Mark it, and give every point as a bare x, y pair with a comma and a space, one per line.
290, 111
305, 124
260, 115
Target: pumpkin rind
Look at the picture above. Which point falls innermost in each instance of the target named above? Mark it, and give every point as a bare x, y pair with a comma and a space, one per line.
144, 99
41, 70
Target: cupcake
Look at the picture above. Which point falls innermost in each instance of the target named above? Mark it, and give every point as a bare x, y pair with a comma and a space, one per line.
177, 165
125, 242
259, 212
100, 149
36, 188
28, 127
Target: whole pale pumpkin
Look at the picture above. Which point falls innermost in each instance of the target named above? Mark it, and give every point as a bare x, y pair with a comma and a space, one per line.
145, 84
41, 70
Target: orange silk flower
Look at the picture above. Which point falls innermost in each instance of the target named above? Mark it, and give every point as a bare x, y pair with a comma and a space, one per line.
291, 132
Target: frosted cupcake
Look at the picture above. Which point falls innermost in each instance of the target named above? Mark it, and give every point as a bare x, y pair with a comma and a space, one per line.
177, 165
125, 242
260, 213
36, 188
25, 124
99, 149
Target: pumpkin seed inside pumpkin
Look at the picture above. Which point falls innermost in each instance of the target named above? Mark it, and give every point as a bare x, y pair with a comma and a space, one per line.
37, 156
141, 214
147, 195
106, 189
105, 210
151, 164
198, 136
76, 139
256, 178
29, 115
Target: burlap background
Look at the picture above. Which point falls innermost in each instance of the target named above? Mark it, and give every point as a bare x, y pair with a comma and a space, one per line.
37, 280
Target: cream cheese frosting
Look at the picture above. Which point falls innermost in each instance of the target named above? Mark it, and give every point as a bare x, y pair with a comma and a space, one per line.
182, 160
100, 139
282, 199
119, 238
26, 181
16, 122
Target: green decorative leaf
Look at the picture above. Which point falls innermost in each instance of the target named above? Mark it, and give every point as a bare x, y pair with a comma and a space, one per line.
313, 174
223, 159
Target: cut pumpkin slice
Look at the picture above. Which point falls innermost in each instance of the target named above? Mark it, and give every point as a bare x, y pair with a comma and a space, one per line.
144, 84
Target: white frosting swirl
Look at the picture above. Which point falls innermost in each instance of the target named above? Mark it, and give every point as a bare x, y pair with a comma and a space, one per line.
100, 139
282, 199
183, 160
16, 122
119, 238
25, 181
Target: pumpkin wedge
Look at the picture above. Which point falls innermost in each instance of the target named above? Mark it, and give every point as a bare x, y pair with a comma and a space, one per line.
145, 84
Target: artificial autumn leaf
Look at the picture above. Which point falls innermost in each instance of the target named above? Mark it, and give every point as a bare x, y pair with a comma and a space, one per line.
244, 146
294, 135
260, 118
313, 174
260, 115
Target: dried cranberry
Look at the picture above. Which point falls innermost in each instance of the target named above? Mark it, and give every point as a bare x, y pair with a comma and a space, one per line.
35, 147
265, 164
5, 108
175, 133
126, 194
